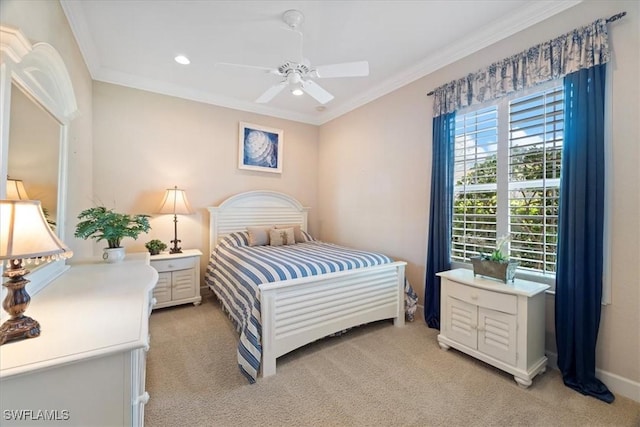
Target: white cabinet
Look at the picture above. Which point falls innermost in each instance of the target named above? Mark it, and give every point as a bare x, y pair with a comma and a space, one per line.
178, 278
88, 365
500, 324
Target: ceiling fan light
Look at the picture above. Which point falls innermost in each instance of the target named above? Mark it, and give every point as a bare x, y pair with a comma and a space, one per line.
181, 59
297, 90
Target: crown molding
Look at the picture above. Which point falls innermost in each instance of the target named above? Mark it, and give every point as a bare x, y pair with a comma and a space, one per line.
78, 23
164, 88
532, 14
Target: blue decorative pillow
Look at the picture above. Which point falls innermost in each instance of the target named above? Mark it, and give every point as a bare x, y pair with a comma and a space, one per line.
237, 238
307, 237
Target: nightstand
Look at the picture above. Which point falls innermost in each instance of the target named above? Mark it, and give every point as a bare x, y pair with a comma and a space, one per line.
178, 278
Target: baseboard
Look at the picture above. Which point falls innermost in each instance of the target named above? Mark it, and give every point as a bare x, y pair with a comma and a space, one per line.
617, 384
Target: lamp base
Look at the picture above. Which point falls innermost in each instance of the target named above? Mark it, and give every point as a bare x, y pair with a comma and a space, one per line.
175, 249
19, 328
15, 304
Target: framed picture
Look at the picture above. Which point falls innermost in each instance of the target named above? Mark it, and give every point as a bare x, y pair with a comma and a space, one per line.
260, 148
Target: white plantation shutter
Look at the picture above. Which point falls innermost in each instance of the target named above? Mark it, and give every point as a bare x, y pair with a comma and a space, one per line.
535, 148
506, 180
475, 179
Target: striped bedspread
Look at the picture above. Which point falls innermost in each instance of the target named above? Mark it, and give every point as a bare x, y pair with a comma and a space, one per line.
235, 271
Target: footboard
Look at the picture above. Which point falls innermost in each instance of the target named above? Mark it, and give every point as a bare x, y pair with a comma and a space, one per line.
297, 312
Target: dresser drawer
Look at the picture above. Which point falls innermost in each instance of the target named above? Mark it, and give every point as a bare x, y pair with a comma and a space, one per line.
483, 298
174, 264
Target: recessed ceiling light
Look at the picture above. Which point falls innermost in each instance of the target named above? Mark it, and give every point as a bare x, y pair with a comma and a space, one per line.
181, 59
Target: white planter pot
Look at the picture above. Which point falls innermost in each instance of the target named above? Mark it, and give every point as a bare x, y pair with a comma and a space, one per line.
112, 255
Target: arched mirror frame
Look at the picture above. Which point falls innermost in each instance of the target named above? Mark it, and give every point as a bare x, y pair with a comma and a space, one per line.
39, 71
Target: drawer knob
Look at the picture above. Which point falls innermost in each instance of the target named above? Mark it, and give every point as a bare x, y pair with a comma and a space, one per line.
170, 265
474, 297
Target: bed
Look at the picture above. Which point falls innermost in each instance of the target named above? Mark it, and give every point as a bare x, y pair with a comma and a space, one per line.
289, 306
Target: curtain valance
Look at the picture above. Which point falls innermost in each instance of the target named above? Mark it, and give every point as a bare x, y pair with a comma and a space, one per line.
581, 48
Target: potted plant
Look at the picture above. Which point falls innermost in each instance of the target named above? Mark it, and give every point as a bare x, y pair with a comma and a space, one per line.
100, 223
495, 264
155, 246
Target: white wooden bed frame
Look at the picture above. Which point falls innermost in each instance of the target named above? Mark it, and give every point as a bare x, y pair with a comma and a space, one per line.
299, 311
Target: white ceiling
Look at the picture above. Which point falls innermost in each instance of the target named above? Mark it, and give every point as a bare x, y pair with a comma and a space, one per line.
133, 43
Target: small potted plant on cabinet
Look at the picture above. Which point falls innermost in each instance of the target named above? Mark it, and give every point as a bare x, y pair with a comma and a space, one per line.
496, 264
100, 223
155, 246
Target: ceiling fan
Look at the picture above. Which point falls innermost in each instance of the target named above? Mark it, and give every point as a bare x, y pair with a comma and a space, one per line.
297, 76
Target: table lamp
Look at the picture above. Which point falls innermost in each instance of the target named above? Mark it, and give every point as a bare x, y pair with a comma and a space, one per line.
25, 237
175, 202
16, 190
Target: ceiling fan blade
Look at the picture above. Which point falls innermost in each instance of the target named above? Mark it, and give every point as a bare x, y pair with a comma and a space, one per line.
270, 93
347, 69
254, 67
318, 93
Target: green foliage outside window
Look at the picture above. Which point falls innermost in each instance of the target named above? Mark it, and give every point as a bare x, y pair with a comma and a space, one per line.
533, 211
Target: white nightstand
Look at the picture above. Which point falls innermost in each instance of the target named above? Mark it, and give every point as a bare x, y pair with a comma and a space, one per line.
178, 278
500, 324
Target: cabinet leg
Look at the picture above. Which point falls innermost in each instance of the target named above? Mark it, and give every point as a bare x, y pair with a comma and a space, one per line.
523, 382
443, 346
196, 303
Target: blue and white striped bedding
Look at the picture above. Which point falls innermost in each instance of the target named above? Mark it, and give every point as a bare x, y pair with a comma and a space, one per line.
235, 270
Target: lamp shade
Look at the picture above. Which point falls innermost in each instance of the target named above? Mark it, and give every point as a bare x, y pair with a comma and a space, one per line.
15, 190
175, 202
24, 232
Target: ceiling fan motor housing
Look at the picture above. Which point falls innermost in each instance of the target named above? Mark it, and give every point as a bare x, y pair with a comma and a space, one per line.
289, 68
293, 18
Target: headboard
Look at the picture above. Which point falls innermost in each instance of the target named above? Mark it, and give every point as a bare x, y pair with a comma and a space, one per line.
254, 208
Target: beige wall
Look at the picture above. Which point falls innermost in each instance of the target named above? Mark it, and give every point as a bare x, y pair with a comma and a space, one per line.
374, 173
145, 143
44, 21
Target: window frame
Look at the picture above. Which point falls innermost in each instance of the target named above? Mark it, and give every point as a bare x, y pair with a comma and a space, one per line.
502, 179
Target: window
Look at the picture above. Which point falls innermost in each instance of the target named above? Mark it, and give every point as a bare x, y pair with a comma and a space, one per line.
507, 178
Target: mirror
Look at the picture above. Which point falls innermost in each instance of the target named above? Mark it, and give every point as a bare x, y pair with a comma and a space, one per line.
34, 149
37, 104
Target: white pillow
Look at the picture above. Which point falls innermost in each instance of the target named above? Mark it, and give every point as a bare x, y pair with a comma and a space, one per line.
297, 232
282, 236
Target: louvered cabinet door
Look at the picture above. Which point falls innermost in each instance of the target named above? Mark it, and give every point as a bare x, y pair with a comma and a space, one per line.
162, 291
497, 335
183, 284
179, 278
461, 323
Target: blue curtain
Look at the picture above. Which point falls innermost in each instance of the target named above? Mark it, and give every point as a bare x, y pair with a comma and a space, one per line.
440, 214
580, 232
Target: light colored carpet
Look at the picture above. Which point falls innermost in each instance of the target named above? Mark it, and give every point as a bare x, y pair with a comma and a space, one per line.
375, 375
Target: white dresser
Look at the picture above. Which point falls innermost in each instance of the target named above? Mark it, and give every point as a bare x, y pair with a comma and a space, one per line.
178, 278
87, 368
500, 324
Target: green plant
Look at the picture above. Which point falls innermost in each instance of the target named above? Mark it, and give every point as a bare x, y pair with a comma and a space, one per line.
155, 246
52, 223
497, 254
101, 223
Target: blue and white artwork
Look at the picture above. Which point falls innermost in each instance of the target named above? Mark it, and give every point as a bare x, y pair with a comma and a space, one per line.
260, 148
